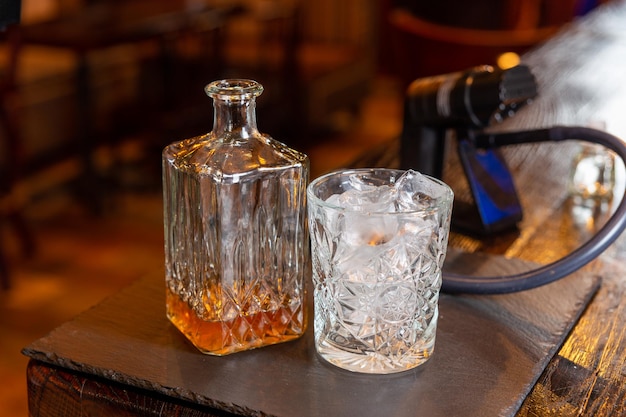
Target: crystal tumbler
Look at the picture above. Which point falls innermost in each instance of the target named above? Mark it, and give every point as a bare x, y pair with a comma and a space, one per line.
378, 243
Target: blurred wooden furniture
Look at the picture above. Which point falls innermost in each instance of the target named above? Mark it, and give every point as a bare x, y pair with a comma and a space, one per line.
336, 56
260, 44
101, 26
10, 162
314, 59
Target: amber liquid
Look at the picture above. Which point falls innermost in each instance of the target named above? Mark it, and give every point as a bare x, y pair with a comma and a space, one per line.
242, 333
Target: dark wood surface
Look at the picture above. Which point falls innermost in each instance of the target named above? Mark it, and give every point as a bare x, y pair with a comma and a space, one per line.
582, 81
489, 352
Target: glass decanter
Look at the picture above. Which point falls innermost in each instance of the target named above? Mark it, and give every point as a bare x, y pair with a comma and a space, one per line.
236, 241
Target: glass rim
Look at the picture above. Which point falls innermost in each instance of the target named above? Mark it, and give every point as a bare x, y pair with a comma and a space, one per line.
233, 89
446, 197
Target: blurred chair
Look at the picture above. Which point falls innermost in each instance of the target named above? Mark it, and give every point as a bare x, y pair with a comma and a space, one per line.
260, 43
422, 48
314, 58
10, 212
337, 56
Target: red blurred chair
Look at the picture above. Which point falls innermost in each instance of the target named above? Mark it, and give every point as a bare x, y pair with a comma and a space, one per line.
422, 48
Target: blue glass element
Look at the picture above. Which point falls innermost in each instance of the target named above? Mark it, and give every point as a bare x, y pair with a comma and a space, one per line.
492, 187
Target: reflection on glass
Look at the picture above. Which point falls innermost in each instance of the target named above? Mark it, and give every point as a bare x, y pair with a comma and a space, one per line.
593, 174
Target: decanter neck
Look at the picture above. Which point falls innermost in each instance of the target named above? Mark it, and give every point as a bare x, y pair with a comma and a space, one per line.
234, 102
234, 118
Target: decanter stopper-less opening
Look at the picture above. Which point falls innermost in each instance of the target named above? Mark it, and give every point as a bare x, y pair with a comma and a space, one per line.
236, 241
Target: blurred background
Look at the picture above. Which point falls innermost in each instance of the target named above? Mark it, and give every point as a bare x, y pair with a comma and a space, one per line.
92, 90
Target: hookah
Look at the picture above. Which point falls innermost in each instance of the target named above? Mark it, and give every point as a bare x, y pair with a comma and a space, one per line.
465, 103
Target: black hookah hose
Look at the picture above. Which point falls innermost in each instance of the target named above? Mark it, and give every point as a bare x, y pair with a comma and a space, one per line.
466, 284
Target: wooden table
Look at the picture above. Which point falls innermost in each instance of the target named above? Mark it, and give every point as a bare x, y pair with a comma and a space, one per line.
581, 75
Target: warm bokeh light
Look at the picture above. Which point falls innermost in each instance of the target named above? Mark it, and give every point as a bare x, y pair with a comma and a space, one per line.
508, 60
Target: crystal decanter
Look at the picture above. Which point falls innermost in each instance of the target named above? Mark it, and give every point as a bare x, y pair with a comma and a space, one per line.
236, 241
